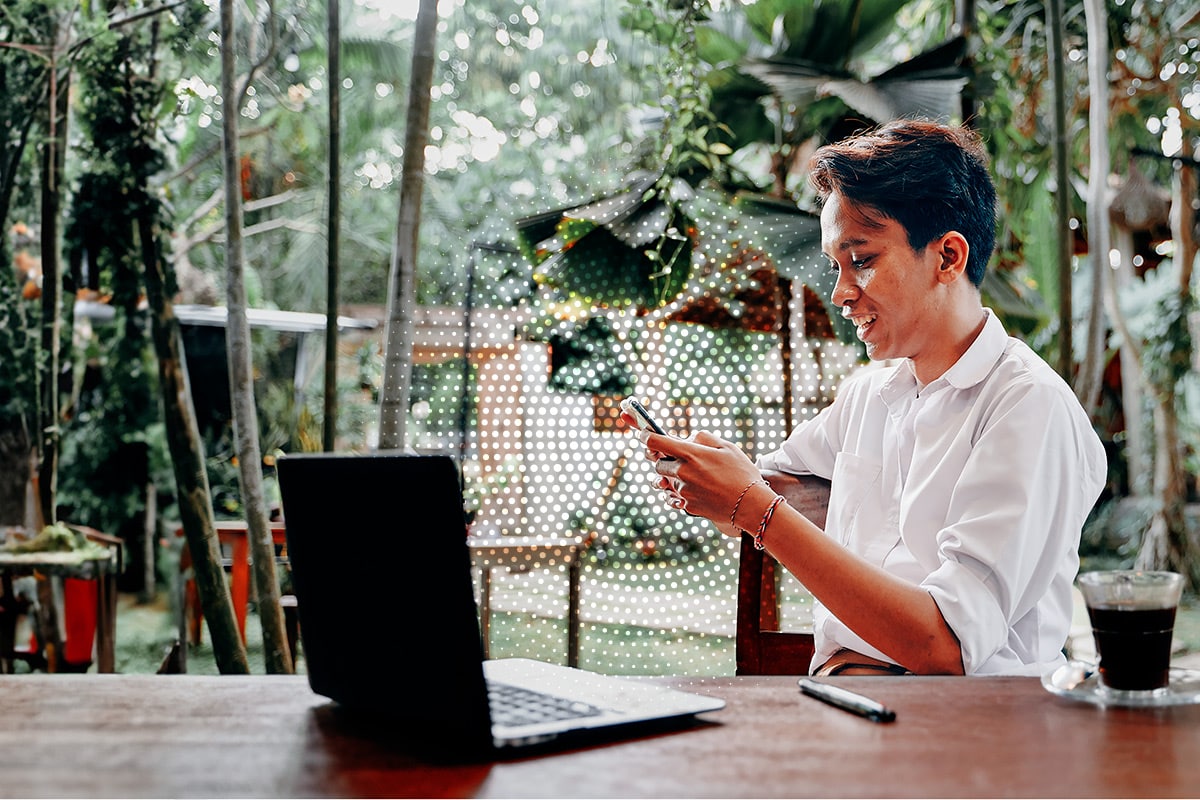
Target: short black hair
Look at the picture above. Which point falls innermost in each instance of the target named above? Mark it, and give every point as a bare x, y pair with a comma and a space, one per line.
930, 178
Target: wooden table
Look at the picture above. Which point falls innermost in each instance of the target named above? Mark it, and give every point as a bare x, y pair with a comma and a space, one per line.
102, 569
269, 736
520, 554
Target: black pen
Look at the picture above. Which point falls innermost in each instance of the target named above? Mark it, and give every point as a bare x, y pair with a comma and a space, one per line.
847, 700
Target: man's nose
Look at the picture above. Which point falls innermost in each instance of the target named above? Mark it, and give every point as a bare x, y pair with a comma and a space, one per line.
844, 290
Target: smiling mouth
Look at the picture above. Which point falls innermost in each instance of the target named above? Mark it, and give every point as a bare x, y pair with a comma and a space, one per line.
862, 323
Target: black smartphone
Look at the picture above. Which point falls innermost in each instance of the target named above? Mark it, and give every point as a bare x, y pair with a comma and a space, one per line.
639, 411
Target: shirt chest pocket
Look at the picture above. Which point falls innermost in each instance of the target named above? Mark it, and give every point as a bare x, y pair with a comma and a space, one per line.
855, 503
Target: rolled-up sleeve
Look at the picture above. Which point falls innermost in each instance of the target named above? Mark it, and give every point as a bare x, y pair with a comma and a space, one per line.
1010, 548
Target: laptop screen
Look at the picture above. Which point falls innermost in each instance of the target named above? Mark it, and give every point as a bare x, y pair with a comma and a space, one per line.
382, 576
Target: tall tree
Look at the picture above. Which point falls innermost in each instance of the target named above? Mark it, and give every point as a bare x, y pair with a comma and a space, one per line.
1167, 542
187, 460
334, 205
241, 379
1091, 369
53, 156
402, 294
1057, 56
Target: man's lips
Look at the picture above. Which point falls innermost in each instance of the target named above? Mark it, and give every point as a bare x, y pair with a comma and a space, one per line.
862, 322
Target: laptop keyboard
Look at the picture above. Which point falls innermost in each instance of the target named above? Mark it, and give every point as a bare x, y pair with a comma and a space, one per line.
512, 705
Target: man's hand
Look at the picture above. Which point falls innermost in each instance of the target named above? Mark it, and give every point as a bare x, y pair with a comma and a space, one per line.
704, 474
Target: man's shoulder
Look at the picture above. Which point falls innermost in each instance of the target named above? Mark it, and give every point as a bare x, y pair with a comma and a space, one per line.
1022, 377
1020, 363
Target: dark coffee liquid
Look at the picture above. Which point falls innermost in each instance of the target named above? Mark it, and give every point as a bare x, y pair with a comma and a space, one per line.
1134, 645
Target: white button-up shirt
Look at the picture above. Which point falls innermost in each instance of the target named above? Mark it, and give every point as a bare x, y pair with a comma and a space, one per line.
975, 487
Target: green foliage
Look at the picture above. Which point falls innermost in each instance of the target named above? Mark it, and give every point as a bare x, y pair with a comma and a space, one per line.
690, 142
479, 487
1168, 346
588, 358
528, 113
1112, 533
803, 26
1152, 54
440, 391
636, 530
597, 265
114, 444
736, 355
24, 24
58, 538
19, 325
783, 72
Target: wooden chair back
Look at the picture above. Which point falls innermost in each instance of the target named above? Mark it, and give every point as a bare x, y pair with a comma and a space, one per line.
762, 648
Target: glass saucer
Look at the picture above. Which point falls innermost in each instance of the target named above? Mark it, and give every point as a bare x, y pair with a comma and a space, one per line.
1183, 689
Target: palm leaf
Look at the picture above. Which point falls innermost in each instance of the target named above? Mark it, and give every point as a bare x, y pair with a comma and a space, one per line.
830, 32
925, 86
629, 248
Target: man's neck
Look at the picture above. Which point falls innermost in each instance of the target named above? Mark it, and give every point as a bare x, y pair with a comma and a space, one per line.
961, 332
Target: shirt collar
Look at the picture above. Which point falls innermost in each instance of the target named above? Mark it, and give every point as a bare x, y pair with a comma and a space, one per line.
975, 364
971, 368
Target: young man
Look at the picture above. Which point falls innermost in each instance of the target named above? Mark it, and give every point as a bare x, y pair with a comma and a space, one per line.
961, 475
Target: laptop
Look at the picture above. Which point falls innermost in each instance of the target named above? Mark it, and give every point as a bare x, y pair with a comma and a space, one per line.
389, 624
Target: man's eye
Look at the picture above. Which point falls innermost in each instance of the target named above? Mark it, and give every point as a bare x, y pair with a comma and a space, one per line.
859, 263
832, 268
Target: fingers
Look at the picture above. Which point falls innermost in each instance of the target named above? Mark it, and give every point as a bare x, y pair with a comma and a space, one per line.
695, 456
668, 467
707, 439
673, 446
674, 499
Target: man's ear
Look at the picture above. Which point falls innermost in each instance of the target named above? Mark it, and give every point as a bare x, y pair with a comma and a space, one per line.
953, 250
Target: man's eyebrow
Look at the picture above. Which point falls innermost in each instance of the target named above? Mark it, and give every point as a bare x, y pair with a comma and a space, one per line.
845, 244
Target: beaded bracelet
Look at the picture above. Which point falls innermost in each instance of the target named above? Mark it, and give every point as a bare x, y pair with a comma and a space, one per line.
762, 526
738, 504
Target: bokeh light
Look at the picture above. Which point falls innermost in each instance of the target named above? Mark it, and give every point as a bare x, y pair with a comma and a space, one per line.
545, 454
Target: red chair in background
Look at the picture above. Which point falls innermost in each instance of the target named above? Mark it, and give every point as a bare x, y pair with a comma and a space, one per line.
235, 548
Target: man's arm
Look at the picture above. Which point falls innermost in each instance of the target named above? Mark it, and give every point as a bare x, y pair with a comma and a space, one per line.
896, 617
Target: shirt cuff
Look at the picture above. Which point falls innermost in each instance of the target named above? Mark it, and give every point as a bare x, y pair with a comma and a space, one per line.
971, 611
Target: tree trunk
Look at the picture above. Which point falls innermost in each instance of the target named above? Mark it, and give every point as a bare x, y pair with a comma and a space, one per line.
149, 542
1133, 377
187, 458
1091, 372
333, 233
402, 300
241, 380
1167, 545
53, 151
964, 25
1062, 194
